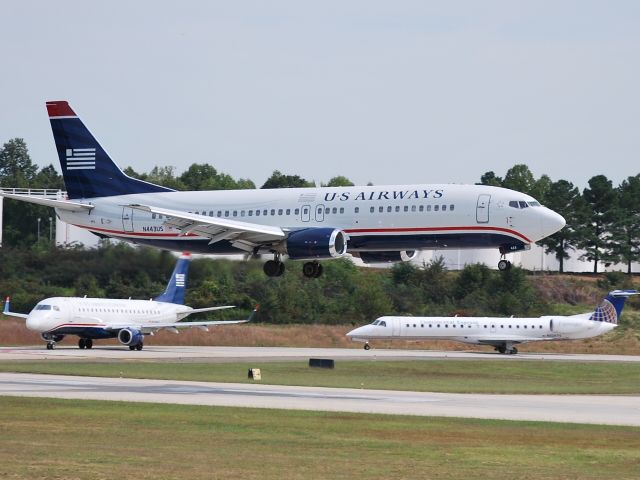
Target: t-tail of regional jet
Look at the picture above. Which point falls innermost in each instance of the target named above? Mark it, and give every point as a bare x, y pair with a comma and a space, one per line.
501, 333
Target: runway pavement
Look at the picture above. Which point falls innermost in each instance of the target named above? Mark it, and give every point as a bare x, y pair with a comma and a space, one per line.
597, 409
222, 354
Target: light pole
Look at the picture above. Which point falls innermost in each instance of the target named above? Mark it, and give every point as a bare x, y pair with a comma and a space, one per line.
39, 219
50, 229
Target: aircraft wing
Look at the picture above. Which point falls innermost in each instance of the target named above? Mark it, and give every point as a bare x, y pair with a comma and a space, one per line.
49, 202
240, 234
152, 327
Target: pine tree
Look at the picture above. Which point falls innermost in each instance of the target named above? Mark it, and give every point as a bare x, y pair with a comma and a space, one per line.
626, 230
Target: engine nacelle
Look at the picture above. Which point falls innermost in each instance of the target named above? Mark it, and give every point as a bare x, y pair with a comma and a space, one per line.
129, 336
388, 257
314, 243
51, 337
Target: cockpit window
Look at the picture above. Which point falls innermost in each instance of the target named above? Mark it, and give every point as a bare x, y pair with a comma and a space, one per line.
523, 204
382, 323
376, 322
56, 308
43, 307
534, 204
513, 204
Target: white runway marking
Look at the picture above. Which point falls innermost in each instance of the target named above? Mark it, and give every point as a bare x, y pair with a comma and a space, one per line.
152, 352
596, 409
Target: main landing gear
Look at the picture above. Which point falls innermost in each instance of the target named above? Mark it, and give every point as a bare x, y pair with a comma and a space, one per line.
274, 268
506, 349
85, 343
137, 346
312, 269
51, 345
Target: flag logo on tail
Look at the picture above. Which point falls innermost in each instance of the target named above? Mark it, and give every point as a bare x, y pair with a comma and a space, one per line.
180, 279
81, 158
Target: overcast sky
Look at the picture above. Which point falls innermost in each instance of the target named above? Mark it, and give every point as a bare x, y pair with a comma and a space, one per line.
382, 92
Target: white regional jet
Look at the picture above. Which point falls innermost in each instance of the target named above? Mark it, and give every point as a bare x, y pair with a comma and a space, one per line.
375, 223
127, 320
502, 333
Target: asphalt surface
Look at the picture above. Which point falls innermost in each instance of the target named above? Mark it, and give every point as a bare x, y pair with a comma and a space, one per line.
597, 409
222, 354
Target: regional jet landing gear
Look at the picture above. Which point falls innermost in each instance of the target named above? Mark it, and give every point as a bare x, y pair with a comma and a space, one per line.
312, 269
85, 343
506, 348
275, 267
367, 346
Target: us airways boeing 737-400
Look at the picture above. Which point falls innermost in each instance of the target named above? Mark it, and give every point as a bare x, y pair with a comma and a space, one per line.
375, 223
501, 333
127, 320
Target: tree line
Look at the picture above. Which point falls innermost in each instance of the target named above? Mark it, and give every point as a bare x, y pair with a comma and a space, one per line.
603, 220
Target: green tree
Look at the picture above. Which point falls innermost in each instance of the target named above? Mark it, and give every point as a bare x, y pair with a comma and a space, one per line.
339, 181
626, 229
278, 180
490, 178
16, 168
166, 177
565, 199
520, 178
206, 177
595, 235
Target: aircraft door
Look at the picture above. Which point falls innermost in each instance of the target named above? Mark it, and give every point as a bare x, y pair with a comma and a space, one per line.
482, 208
305, 213
319, 213
395, 327
127, 219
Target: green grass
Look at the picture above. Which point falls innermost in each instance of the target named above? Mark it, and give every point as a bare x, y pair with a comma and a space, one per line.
464, 376
47, 438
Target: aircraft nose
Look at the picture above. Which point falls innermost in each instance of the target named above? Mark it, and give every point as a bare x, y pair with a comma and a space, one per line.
354, 332
551, 223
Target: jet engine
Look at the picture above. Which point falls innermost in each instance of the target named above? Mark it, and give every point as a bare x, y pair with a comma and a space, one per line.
129, 336
314, 243
388, 257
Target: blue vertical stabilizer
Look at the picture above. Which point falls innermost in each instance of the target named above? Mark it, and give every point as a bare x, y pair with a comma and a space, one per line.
611, 307
177, 283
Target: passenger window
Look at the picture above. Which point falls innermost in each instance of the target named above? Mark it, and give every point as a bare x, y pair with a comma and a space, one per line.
257, 213
327, 210
406, 208
389, 209
279, 211
266, 212
421, 208
397, 208
297, 211
380, 209
273, 211
341, 209
451, 208
288, 211
251, 213
372, 209
357, 210
226, 213
413, 208
436, 208
153, 216
335, 210
219, 213
242, 213
235, 213
211, 213
428, 208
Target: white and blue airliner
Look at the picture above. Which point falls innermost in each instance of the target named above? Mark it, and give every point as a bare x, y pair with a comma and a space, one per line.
125, 319
375, 223
501, 333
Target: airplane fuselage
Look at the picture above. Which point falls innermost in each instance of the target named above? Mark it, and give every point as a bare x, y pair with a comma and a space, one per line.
375, 218
482, 330
92, 317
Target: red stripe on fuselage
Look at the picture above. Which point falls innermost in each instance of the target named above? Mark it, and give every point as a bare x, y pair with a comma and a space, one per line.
349, 230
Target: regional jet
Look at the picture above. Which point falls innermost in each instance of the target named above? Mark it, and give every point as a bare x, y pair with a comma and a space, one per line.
127, 320
375, 223
501, 333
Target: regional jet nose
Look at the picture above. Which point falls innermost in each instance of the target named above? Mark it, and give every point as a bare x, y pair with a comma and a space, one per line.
551, 223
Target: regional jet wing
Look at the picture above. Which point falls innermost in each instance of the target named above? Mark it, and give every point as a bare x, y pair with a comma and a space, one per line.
48, 202
240, 234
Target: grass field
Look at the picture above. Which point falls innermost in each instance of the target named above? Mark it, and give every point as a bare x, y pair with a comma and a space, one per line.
462, 376
46, 438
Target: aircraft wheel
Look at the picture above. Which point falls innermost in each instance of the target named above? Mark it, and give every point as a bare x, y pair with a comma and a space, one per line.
309, 269
502, 349
82, 344
88, 343
367, 346
514, 351
272, 268
319, 270
132, 347
139, 346
50, 345
504, 265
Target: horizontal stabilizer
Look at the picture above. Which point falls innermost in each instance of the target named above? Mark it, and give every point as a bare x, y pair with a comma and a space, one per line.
49, 202
7, 310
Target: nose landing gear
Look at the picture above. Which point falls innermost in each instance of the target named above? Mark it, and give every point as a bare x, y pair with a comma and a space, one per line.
504, 265
367, 346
